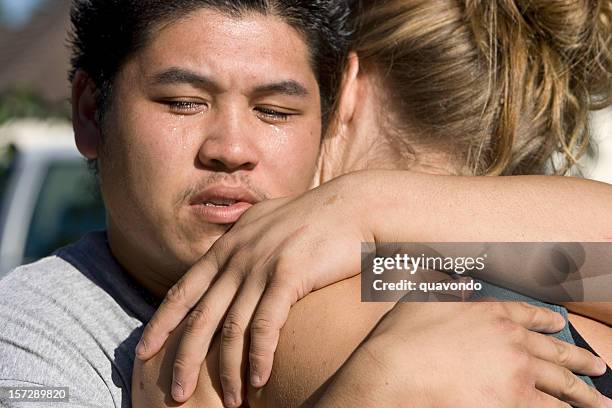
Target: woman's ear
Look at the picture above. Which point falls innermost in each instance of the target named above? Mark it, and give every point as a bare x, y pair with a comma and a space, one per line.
85, 109
349, 90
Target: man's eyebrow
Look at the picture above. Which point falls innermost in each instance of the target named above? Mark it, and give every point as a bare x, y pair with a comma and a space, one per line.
183, 76
290, 88
173, 76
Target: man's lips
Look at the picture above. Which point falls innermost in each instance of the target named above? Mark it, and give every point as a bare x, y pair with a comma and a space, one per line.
222, 204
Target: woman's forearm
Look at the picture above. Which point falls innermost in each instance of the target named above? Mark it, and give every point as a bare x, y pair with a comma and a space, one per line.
403, 206
409, 206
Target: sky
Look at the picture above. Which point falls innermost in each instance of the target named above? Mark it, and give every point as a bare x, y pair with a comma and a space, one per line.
17, 12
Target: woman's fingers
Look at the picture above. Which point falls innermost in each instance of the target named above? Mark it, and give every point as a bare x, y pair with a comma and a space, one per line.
561, 383
202, 323
268, 320
232, 353
561, 353
175, 306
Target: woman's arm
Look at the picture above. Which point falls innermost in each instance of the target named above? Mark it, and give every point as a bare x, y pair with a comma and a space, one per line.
430, 208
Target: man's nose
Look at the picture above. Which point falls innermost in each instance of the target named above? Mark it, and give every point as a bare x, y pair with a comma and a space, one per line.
229, 144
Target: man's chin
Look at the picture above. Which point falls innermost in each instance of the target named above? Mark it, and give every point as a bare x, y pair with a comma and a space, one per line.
200, 246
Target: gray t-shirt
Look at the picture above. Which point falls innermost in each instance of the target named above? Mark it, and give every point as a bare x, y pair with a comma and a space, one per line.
72, 320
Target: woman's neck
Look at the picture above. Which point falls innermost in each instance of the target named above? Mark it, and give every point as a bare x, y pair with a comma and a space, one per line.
368, 142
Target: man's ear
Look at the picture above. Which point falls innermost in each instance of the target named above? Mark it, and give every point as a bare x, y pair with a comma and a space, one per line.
349, 90
87, 129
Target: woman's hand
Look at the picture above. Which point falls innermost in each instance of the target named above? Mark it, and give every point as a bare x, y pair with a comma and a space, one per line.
278, 252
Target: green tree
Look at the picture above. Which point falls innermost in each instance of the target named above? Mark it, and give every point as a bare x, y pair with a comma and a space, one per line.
26, 103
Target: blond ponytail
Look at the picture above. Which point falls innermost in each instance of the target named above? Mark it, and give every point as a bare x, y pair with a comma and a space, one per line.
503, 83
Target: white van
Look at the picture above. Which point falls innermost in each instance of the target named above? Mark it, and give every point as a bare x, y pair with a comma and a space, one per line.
48, 197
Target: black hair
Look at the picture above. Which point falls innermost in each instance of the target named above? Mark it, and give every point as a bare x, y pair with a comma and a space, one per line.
106, 33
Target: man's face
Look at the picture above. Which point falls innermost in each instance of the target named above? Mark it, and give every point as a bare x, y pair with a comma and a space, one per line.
215, 113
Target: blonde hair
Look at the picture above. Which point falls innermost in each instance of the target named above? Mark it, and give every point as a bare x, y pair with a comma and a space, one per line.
500, 84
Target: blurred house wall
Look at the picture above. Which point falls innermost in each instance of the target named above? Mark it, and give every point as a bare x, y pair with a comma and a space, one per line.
36, 56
